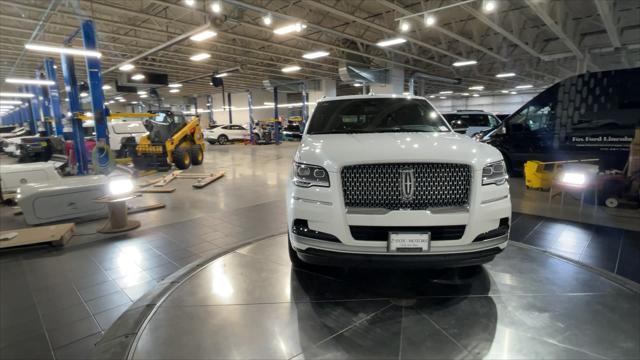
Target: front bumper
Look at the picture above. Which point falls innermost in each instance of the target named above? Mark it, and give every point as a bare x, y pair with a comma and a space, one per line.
324, 211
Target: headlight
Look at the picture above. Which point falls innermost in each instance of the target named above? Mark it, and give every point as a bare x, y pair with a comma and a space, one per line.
120, 186
310, 175
494, 173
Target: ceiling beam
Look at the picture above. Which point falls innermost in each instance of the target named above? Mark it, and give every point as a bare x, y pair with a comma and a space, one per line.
546, 18
605, 8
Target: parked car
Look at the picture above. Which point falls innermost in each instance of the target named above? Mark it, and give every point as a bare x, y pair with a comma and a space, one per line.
470, 122
382, 181
121, 130
292, 132
225, 133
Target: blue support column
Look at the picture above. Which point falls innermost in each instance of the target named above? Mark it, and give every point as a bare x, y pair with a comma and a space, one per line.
71, 86
212, 121
54, 96
94, 74
305, 110
38, 104
251, 120
33, 125
276, 124
46, 109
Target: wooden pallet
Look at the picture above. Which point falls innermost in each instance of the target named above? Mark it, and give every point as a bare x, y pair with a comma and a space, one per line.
156, 190
57, 235
202, 182
167, 179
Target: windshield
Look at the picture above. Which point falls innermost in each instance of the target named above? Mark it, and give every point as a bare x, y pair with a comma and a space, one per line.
375, 115
484, 120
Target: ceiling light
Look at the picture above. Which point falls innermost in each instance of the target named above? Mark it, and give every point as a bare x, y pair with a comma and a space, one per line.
289, 69
464, 94
524, 86
111, 102
477, 87
200, 56
315, 55
389, 42
297, 27
513, 93
464, 63
126, 67
443, 97
489, 5
11, 102
190, 2
175, 85
29, 81
88, 114
137, 77
429, 20
142, 92
216, 7
475, 95
431, 96
121, 100
267, 19
504, 91
221, 75
144, 96
63, 50
446, 92
17, 95
357, 84
106, 87
505, 75
84, 94
405, 26
204, 35
174, 90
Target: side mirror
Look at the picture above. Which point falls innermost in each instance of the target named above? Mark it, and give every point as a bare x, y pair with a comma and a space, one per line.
459, 126
502, 130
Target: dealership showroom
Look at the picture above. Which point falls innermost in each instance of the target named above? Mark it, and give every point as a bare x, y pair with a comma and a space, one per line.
319, 179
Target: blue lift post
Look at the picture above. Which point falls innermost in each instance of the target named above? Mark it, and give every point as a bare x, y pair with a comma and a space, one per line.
94, 74
276, 123
71, 86
54, 96
251, 120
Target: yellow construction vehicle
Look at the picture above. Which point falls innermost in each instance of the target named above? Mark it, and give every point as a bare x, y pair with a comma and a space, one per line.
171, 140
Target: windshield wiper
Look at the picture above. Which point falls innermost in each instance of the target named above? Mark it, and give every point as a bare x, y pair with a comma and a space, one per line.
397, 129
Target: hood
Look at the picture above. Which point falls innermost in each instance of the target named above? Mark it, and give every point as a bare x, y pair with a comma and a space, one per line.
333, 151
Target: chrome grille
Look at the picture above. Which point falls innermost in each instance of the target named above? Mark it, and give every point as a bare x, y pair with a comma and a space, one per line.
436, 185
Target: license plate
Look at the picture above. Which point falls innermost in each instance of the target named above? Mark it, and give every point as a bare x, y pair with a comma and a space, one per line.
408, 242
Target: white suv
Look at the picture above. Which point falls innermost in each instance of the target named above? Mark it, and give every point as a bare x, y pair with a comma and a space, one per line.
383, 180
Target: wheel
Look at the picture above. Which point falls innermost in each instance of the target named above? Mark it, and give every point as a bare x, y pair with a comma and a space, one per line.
256, 137
222, 139
181, 158
611, 202
197, 155
212, 142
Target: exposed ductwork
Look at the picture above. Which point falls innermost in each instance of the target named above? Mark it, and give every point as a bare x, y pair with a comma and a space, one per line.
434, 78
356, 74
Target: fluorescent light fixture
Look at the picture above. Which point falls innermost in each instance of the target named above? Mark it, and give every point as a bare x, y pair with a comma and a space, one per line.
464, 94
89, 114
283, 30
268, 103
357, 85
464, 63
63, 50
446, 92
504, 91
432, 96
174, 90
524, 86
121, 100
142, 92
190, 2
429, 20
111, 102
405, 26
221, 75
390, 42
144, 96
216, 7
10, 102
204, 35
29, 81
175, 85
489, 5
137, 77
291, 68
315, 55
477, 87
267, 19
475, 95
84, 94
134, 102
513, 93
574, 178
200, 56
106, 87
505, 75
16, 95
443, 97
126, 67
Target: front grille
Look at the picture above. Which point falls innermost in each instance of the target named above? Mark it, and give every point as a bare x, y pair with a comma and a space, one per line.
435, 185
381, 233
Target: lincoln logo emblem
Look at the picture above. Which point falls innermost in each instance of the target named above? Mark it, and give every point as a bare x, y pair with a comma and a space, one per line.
407, 184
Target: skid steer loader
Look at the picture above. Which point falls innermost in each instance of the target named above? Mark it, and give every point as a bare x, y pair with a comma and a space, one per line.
171, 140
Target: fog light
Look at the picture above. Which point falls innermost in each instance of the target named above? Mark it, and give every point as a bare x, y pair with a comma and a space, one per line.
120, 186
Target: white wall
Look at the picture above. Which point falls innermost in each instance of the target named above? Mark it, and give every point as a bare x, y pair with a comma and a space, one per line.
497, 103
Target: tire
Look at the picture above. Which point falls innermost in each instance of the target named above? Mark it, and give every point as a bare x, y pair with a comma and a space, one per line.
182, 158
222, 139
212, 142
256, 137
197, 155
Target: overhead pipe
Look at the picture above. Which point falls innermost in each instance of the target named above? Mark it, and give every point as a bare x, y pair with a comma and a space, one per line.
435, 78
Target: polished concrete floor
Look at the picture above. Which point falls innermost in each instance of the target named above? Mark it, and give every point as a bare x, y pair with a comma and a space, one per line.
56, 303
250, 304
